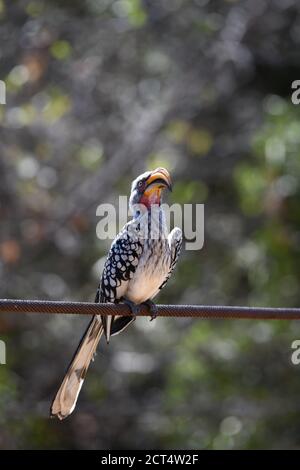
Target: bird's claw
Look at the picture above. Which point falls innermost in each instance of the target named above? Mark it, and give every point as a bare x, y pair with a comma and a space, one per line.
135, 309
152, 308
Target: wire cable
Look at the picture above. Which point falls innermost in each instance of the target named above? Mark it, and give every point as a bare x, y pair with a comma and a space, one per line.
194, 311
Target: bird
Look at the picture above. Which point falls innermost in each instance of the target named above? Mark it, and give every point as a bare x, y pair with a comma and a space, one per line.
140, 262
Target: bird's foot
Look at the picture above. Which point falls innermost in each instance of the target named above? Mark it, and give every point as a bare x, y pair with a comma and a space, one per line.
135, 309
152, 308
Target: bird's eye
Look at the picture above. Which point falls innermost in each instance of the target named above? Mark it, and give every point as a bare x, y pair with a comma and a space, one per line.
140, 184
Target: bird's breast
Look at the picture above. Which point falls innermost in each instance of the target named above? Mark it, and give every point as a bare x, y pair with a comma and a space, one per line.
151, 272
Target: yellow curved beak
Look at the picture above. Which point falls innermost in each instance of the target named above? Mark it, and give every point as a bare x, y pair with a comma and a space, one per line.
160, 178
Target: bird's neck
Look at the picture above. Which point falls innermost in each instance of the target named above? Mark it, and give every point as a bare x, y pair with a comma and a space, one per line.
153, 222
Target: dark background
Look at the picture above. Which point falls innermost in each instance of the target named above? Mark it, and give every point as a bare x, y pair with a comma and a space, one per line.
97, 92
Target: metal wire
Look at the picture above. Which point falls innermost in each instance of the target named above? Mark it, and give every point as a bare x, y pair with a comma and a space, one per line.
198, 311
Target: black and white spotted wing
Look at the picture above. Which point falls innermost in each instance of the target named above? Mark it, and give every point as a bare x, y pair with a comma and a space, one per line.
120, 266
175, 252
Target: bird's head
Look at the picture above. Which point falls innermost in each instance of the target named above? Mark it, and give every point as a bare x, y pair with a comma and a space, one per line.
147, 188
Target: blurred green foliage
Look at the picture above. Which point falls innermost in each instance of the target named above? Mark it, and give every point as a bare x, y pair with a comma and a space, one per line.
97, 92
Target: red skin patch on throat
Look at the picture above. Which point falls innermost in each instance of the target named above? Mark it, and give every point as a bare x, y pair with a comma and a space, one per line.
152, 199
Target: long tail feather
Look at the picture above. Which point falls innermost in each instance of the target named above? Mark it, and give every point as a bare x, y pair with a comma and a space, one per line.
67, 395
107, 322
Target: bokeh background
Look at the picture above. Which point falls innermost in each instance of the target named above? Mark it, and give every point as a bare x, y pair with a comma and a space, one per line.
97, 92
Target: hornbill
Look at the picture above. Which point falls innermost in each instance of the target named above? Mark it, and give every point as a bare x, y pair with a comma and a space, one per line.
139, 264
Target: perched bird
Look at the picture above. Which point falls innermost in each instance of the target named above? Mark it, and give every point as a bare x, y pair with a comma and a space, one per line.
139, 264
